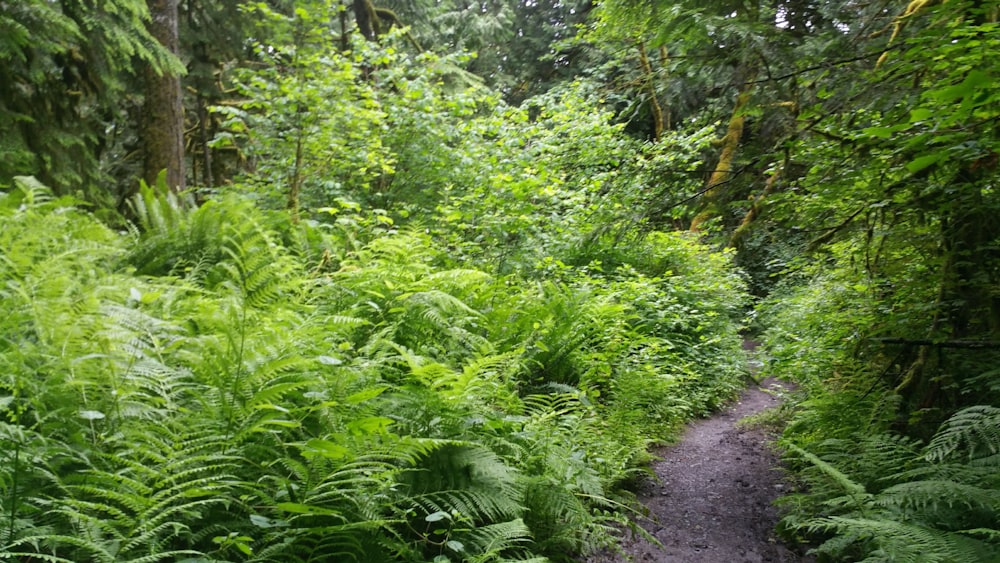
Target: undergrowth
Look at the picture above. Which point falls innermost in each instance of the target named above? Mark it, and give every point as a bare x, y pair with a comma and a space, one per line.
221, 384
877, 486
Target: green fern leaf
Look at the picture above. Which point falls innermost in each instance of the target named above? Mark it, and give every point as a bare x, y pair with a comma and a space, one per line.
974, 431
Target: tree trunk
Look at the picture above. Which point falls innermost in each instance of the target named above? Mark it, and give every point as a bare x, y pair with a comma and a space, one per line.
345, 41
665, 62
295, 188
364, 15
966, 308
650, 83
730, 144
162, 126
770, 185
205, 140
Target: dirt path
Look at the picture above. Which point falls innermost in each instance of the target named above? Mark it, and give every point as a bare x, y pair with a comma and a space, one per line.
712, 501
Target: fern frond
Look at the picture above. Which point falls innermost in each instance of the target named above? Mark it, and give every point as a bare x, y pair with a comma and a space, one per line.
899, 541
854, 490
989, 534
933, 495
487, 543
93, 549
973, 431
453, 281
31, 556
158, 210
465, 478
554, 514
171, 555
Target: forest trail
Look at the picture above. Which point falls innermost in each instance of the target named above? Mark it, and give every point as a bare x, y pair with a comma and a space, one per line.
711, 501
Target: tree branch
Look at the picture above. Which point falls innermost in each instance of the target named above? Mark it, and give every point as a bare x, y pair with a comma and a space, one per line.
827, 65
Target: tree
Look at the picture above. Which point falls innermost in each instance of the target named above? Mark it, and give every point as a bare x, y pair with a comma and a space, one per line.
162, 123
923, 147
720, 58
522, 48
68, 71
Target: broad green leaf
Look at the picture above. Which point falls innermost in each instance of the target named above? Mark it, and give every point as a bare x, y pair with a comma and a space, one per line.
370, 425
972, 81
922, 162
921, 114
364, 395
437, 516
324, 448
879, 132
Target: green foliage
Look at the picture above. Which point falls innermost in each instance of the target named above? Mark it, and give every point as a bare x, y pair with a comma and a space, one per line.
874, 496
307, 122
886, 498
219, 383
461, 340
67, 71
517, 45
557, 180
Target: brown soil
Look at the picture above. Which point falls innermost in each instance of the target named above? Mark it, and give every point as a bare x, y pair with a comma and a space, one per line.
712, 498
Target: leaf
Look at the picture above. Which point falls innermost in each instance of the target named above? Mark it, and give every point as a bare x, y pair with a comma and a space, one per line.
972, 81
365, 395
369, 425
325, 448
922, 162
264, 522
879, 132
437, 516
921, 114
299, 508
330, 360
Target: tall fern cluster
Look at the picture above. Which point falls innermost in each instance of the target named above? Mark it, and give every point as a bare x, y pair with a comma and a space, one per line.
223, 385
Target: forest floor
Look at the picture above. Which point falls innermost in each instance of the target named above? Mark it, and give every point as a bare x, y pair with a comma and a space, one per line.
711, 500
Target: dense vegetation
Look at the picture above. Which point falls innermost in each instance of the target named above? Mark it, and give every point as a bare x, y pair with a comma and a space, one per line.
323, 280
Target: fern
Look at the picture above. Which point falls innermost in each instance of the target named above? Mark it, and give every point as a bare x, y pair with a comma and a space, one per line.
334, 513
938, 496
194, 390
465, 478
141, 500
494, 542
854, 490
556, 516
888, 540
160, 211
974, 432
931, 506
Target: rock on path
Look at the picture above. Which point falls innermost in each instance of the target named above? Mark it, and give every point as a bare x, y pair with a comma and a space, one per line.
712, 500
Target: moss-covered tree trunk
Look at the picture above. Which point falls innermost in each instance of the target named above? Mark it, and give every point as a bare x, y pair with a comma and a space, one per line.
729, 147
367, 20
